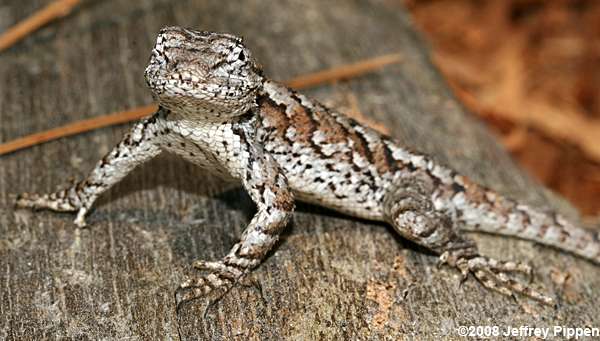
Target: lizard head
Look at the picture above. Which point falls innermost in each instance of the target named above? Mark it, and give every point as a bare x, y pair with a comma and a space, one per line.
202, 74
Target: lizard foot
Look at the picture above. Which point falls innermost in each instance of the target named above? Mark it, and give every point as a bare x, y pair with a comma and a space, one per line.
52, 201
211, 287
57, 201
494, 274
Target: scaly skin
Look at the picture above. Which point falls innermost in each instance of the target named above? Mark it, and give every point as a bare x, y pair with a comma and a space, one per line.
219, 112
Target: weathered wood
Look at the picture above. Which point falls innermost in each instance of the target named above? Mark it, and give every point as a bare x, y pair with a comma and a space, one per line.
330, 278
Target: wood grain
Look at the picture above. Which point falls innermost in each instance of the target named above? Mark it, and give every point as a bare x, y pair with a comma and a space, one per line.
330, 277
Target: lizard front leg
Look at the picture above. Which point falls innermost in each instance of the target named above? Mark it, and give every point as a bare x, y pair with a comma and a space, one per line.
268, 188
409, 208
138, 146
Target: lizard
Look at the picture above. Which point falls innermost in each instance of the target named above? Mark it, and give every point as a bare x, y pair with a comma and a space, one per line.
218, 110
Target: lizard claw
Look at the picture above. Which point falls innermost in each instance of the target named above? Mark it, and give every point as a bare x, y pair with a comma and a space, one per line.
198, 288
184, 295
212, 287
493, 275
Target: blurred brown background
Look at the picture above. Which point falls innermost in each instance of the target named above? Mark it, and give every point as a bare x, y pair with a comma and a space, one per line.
531, 69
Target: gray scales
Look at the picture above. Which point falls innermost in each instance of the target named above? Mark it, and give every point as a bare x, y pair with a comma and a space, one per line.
381, 294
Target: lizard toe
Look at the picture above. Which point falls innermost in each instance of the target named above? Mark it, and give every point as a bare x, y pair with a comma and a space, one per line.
494, 275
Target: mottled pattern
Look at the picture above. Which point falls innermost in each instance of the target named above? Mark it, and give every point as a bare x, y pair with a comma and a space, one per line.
219, 112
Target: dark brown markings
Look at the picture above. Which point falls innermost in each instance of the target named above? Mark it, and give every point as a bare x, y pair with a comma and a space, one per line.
437, 182
284, 202
474, 192
564, 234
241, 134
361, 145
207, 283
275, 115
426, 233
307, 120
304, 123
389, 157
235, 265
457, 188
81, 185
260, 188
525, 218
332, 187
334, 127
227, 276
384, 160
333, 131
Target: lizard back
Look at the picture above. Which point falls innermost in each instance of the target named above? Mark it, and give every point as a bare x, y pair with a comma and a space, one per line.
329, 158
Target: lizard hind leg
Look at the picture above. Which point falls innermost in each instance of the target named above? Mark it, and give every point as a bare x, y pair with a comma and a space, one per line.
409, 209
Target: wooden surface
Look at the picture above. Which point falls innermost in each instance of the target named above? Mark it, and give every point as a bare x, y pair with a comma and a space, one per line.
330, 278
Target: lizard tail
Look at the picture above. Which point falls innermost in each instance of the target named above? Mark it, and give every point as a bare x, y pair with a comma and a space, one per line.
481, 209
